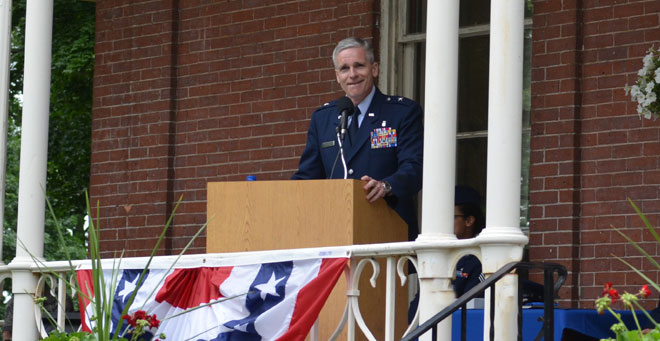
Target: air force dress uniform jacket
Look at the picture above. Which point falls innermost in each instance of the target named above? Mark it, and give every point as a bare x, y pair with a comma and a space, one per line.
388, 147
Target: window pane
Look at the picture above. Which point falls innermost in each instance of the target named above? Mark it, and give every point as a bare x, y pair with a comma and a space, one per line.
473, 84
527, 77
416, 22
472, 120
420, 71
527, 103
474, 12
471, 160
524, 183
413, 65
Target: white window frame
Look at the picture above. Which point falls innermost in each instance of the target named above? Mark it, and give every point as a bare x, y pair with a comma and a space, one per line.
396, 77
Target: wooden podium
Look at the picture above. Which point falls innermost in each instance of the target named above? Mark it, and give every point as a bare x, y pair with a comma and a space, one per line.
288, 214
273, 215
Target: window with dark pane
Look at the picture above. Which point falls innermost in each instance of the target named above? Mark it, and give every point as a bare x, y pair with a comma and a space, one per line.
416, 22
473, 84
472, 115
471, 156
474, 12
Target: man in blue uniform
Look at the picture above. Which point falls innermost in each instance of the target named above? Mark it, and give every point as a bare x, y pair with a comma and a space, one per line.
385, 147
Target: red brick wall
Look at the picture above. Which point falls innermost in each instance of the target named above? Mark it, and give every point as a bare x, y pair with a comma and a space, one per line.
188, 92
590, 151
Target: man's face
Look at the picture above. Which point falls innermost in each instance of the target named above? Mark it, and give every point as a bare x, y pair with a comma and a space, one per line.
355, 74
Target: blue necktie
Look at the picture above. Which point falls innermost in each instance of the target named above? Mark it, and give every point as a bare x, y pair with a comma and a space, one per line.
353, 128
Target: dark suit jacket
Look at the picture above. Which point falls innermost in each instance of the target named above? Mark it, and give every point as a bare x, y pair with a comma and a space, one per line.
389, 147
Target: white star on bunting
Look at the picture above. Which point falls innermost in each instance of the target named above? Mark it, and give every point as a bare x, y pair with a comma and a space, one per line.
129, 287
270, 287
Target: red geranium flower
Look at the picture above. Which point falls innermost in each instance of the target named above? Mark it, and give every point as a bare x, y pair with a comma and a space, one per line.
140, 315
153, 321
610, 292
614, 295
131, 321
606, 289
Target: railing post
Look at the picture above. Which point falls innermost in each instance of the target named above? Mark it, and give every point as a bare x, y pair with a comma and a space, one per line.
351, 293
390, 298
548, 300
32, 177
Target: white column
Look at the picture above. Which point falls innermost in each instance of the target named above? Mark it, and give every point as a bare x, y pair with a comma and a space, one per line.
34, 147
504, 160
5, 36
440, 119
439, 159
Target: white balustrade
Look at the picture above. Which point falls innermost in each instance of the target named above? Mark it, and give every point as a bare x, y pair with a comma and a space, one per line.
362, 256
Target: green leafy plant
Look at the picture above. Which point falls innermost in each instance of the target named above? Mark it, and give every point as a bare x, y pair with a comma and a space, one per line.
101, 301
76, 336
609, 296
630, 301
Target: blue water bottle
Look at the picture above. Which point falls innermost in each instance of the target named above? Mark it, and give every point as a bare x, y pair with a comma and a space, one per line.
251, 178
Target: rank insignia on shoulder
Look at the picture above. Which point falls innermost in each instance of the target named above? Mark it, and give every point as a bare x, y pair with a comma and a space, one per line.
326, 104
328, 144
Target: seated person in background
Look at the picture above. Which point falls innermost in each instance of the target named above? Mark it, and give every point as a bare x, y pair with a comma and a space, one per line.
468, 223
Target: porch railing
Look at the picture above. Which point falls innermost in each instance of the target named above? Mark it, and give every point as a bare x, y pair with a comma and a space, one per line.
396, 255
550, 291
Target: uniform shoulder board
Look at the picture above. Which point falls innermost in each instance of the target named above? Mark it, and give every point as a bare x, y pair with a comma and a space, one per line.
400, 100
327, 106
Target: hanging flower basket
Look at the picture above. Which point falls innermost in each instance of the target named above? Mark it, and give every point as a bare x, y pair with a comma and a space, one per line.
647, 88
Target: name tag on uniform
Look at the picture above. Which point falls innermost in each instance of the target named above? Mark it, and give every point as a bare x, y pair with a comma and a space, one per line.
328, 144
383, 138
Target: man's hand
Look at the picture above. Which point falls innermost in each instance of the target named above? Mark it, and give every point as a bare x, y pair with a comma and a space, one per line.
374, 189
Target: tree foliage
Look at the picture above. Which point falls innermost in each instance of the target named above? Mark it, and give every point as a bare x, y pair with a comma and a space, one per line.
69, 124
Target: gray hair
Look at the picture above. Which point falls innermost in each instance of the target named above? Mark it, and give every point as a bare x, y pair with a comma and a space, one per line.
351, 43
